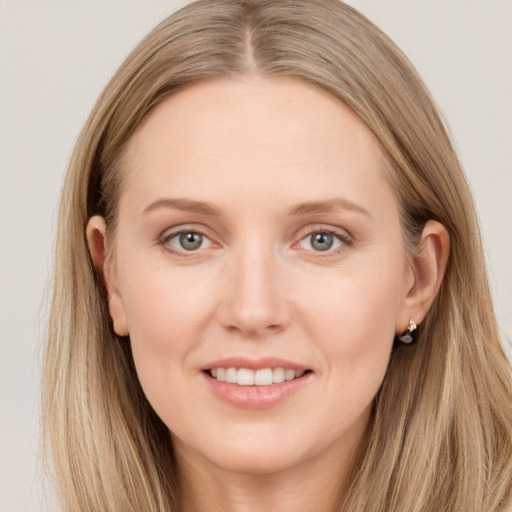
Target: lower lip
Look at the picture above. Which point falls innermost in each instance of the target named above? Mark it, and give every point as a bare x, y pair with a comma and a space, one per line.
256, 397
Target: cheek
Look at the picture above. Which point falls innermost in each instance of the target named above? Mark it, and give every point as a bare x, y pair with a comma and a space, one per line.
359, 303
167, 311
352, 317
162, 303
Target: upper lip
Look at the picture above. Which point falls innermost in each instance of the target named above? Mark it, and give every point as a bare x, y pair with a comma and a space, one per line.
254, 364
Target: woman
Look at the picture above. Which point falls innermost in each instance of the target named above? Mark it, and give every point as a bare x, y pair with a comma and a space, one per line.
262, 213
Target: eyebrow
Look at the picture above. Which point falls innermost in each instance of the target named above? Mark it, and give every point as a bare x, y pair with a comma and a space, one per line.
203, 208
186, 205
327, 206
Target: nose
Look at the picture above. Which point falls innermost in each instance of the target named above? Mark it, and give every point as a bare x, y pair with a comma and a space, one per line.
254, 299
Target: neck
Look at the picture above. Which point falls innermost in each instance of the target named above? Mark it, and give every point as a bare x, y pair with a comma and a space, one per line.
316, 484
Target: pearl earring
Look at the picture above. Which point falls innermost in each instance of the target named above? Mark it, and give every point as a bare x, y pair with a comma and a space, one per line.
407, 336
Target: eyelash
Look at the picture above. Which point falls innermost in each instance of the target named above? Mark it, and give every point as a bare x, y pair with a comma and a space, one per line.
345, 240
165, 239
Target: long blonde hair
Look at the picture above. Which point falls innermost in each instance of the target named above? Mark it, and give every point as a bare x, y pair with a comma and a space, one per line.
441, 433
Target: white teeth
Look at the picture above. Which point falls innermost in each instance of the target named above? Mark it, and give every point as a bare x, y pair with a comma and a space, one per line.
245, 377
248, 377
263, 377
289, 374
278, 375
231, 375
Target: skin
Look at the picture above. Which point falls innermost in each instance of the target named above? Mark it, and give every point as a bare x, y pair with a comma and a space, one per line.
253, 149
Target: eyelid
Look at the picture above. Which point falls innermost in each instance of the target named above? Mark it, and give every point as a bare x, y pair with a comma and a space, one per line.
170, 233
342, 235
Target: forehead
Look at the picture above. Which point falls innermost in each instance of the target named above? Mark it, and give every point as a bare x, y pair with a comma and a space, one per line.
275, 136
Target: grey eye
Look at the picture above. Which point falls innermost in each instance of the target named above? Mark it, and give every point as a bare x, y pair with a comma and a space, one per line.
190, 241
321, 241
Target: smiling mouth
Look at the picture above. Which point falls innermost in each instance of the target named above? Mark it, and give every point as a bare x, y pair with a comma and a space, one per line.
248, 377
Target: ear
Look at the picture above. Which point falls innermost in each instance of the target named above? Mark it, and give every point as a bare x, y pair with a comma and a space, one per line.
427, 267
101, 259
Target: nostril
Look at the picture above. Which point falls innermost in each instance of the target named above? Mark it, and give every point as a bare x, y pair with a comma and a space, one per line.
253, 307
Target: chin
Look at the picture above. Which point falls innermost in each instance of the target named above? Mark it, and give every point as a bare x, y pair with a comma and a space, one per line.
255, 462
253, 454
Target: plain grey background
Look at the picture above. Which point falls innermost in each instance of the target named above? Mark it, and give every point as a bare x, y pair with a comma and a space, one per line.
56, 56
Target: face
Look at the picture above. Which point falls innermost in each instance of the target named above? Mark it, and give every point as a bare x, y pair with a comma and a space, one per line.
259, 269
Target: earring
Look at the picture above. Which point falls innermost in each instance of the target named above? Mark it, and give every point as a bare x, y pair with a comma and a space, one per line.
407, 336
